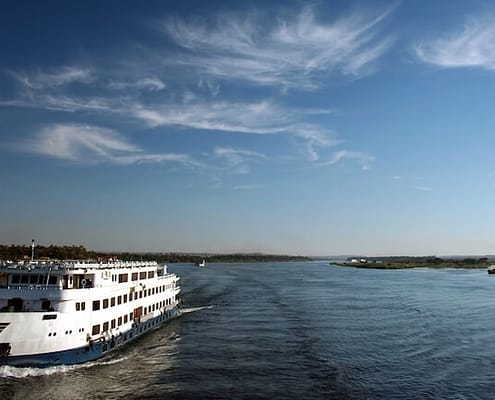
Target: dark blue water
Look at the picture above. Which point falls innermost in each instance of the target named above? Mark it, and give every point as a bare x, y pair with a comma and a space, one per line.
299, 331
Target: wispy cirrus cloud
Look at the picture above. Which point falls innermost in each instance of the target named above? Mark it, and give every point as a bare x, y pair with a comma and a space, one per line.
364, 159
87, 144
54, 77
293, 52
149, 83
237, 159
472, 46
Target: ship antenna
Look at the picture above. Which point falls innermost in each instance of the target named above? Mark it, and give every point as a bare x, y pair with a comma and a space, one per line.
32, 250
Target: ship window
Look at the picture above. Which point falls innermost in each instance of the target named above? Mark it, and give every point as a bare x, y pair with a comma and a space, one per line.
50, 316
113, 323
104, 348
112, 301
119, 321
83, 306
78, 306
145, 310
16, 278
125, 319
131, 316
52, 280
46, 305
33, 279
123, 278
142, 275
151, 274
134, 276
141, 294
149, 292
125, 298
96, 305
96, 329
135, 295
24, 278
119, 299
105, 326
105, 303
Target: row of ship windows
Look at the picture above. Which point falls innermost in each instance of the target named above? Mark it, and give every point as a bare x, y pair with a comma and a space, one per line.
34, 279
126, 318
81, 306
50, 334
121, 278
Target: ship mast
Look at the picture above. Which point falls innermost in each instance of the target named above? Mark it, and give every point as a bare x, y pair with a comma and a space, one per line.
32, 249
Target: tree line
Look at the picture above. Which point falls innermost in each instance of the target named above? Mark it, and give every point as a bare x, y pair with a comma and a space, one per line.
75, 252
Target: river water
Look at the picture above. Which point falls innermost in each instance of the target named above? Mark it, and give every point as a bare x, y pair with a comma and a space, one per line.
299, 331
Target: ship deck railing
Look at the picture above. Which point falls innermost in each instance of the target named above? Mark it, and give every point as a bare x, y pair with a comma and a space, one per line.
77, 264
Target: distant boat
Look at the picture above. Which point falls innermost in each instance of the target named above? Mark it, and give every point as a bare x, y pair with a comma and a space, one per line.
491, 269
201, 263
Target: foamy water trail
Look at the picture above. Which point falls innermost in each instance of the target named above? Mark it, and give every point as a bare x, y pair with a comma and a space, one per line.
194, 309
8, 371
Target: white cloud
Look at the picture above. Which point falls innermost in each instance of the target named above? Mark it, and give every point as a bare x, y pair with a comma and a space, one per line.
474, 46
149, 83
237, 160
291, 52
364, 159
91, 144
55, 77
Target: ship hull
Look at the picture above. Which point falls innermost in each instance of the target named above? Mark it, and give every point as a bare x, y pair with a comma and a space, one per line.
93, 350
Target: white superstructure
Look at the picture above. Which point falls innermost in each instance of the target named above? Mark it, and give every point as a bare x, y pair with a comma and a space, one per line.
75, 311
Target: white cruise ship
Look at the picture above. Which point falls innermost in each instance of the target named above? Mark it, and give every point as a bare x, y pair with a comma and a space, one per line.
75, 311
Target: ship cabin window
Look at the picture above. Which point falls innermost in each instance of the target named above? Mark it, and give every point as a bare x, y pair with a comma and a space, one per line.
78, 306
131, 316
134, 276
16, 279
135, 295
142, 275
141, 294
151, 274
125, 319
112, 302
96, 305
46, 305
52, 280
125, 298
105, 303
24, 279
149, 292
96, 329
119, 321
83, 306
113, 323
105, 326
15, 304
123, 278
119, 299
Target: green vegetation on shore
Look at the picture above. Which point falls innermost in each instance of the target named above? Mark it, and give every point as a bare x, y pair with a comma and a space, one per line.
17, 252
416, 262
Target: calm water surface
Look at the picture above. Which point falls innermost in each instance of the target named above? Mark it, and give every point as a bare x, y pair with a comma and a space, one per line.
299, 331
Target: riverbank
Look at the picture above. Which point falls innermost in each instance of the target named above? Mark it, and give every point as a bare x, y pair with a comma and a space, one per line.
406, 265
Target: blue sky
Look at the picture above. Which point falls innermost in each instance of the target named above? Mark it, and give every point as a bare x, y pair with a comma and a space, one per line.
315, 128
